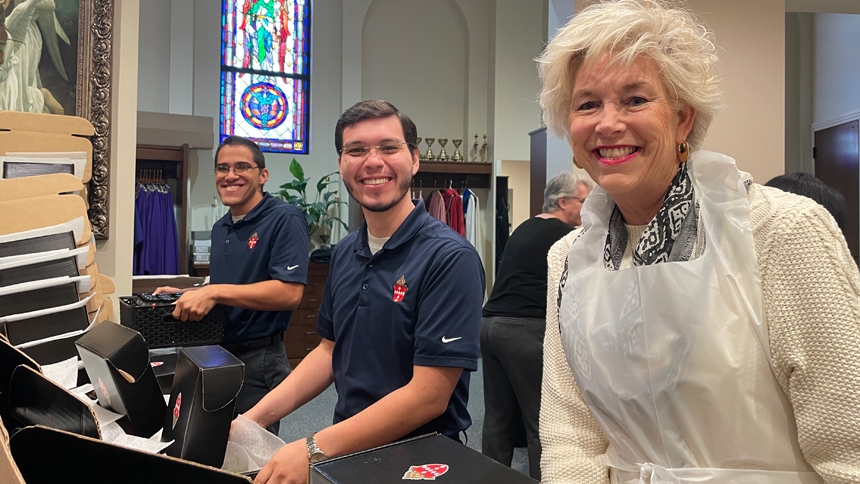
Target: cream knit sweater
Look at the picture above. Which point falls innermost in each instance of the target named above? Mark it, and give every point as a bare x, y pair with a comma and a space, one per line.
811, 290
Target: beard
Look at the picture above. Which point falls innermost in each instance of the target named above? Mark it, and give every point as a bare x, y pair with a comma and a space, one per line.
402, 189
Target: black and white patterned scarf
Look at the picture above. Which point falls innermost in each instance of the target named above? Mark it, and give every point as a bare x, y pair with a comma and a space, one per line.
672, 234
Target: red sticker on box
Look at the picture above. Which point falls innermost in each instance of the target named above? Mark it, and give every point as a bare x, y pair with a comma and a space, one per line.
176, 410
156, 363
103, 388
426, 472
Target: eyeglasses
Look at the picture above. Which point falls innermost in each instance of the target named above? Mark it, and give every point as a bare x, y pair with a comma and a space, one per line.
580, 200
240, 169
385, 150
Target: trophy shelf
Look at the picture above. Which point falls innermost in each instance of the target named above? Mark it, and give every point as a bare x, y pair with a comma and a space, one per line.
458, 174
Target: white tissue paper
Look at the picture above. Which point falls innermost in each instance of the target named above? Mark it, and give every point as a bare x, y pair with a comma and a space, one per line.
249, 446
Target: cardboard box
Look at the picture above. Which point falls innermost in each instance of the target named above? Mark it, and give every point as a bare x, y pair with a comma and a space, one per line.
42, 243
44, 211
205, 387
28, 132
149, 284
53, 351
10, 359
38, 186
28, 271
117, 361
36, 299
35, 400
9, 472
430, 457
44, 326
48, 456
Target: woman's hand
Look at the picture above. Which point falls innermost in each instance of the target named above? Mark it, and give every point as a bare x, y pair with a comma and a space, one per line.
288, 466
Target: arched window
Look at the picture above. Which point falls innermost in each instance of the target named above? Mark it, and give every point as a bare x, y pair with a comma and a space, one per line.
265, 67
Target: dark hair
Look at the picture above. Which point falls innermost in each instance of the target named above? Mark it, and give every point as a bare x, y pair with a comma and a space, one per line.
373, 109
811, 187
234, 140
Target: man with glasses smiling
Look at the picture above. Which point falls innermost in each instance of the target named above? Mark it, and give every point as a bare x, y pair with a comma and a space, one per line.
400, 317
258, 267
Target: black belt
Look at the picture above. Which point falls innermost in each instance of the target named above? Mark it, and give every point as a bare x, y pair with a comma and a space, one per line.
253, 344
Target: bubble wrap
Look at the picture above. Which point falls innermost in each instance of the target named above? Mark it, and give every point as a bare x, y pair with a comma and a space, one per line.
249, 446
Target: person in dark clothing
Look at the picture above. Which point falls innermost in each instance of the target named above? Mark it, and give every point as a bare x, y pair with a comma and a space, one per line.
811, 187
513, 323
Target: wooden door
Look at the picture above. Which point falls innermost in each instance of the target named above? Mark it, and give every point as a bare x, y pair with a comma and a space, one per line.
837, 154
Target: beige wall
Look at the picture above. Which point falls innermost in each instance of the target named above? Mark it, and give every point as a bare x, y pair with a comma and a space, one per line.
114, 256
750, 38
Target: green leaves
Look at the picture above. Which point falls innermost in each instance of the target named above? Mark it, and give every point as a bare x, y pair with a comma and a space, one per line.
318, 210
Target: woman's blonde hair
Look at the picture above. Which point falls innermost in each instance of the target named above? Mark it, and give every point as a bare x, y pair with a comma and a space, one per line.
674, 38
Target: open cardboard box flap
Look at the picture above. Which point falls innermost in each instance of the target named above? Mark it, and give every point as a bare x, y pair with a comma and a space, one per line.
9, 472
36, 400
38, 186
120, 346
74, 458
43, 211
10, 359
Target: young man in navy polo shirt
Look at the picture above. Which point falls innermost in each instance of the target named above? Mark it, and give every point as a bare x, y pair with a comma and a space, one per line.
258, 267
400, 318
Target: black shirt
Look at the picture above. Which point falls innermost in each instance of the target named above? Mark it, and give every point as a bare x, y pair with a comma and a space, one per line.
520, 287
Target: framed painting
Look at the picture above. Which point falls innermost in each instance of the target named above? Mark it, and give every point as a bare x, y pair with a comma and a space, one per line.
55, 57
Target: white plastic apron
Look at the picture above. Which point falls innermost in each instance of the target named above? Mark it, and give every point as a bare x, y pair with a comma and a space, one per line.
673, 358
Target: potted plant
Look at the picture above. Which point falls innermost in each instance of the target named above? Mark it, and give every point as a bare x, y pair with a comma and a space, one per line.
317, 208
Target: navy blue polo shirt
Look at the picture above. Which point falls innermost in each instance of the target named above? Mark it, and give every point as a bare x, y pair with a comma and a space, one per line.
270, 243
415, 302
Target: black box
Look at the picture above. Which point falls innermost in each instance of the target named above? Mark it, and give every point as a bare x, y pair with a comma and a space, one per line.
164, 367
152, 318
47, 456
42, 243
205, 387
36, 299
429, 457
117, 362
66, 266
46, 325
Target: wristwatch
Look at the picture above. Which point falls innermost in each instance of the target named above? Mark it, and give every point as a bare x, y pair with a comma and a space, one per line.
314, 453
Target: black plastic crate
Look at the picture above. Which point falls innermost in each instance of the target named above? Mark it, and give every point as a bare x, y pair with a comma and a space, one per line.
151, 317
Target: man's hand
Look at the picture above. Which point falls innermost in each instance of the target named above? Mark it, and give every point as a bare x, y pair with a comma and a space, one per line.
193, 305
288, 466
167, 289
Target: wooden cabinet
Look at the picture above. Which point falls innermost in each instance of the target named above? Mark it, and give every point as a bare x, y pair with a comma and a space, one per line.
301, 336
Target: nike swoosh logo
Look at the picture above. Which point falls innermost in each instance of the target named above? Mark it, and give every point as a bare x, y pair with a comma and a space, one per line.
289, 268
448, 340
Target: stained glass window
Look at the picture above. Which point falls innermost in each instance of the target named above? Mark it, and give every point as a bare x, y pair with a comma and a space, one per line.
265, 66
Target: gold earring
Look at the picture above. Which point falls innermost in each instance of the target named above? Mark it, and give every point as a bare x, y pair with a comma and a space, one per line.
683, 152
575, 163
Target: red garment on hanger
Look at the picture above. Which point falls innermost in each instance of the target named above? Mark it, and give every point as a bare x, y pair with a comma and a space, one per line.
454, 209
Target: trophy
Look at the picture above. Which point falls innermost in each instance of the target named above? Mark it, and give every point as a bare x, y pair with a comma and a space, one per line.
442, 155
475, 147
457, 156
417, 143
484, 149
429, 156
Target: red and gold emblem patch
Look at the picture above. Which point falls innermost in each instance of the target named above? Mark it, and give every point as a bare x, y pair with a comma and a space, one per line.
176, 410
399, 289
427, 472
252, 241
